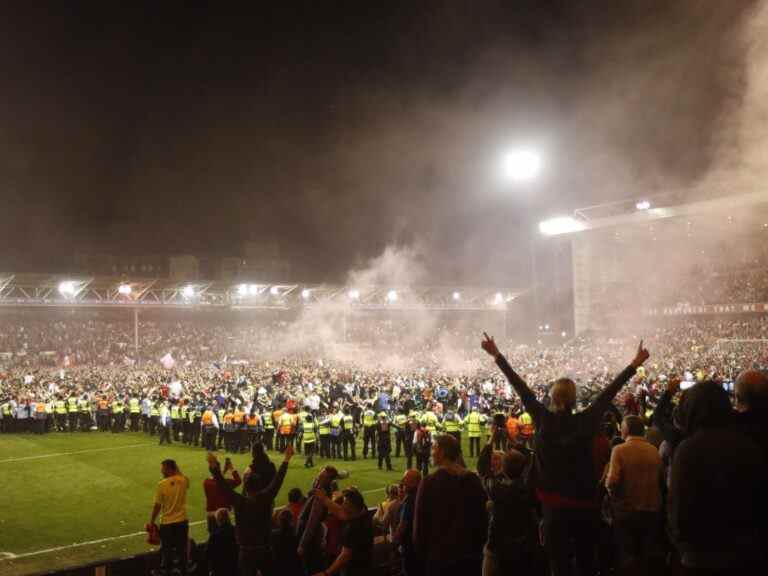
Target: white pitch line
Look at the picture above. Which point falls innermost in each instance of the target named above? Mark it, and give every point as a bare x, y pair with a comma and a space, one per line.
79, 544
10, 556
23, 458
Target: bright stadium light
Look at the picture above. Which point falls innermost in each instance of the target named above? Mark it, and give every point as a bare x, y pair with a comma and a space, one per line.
242, 289
499, 298
124, 289
521, 165
560, 225
456, 296
392, 296
67, 288
643, 205
354, 294
253, 289
274, 291
188, 291
305, 294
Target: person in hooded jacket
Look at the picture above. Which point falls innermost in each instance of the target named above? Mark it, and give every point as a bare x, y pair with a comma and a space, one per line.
511, 521
717, 480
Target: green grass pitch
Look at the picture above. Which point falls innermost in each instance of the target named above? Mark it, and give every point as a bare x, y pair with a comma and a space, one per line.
71, 499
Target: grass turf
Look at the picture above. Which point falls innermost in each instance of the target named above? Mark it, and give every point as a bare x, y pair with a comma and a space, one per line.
72, 499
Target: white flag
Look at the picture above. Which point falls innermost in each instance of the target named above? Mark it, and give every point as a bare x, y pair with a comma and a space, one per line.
167, 361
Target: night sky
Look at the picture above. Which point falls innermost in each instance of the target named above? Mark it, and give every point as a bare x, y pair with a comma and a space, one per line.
336, 129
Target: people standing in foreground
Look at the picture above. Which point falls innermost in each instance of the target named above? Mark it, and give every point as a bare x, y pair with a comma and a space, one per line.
253, 515
171, 506
564, 462
451, 523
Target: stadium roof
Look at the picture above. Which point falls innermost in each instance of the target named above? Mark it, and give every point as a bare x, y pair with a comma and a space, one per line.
658, 208
41, 290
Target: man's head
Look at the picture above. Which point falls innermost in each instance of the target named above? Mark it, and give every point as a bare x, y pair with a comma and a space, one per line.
326, 476
445, 450
563, 395
632, 426
411, 480
295, 496
169, 468
752, 391
354, 504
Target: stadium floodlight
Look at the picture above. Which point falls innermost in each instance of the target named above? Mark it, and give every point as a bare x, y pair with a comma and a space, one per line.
242, 289
253, 289
188, 291
546, 326
124, 289
354, 294
67, 288
499, 298
456, 296
563, 333
560, 225
392, 296
521, 165
305, 294
643, 205
274, 291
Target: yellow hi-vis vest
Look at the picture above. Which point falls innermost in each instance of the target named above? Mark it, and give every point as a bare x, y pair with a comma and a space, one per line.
474, 421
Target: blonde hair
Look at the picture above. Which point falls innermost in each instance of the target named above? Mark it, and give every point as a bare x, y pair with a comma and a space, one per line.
563, 394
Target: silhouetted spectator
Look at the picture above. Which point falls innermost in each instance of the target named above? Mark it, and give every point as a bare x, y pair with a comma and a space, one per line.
451, 523
221, 550
565, 464
716, 499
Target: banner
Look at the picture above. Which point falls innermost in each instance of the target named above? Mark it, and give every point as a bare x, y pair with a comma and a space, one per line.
707, 309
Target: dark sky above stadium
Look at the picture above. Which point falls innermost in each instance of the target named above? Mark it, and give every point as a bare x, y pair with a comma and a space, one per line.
337, 128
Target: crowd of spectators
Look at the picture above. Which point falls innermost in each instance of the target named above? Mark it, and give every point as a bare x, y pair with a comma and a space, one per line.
629, 467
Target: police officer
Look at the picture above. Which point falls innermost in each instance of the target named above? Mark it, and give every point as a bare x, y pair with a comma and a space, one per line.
384, 441
176, 421
369, 431
102, 414
85, 414
134, 407
336, 438
164, 423
269, 429
309, 436
209, 424
452, 425
154, 416
61, 414
253, 425
72, 411
324, 431
401, 430
475, 423
348, 436
118, 415
240, 432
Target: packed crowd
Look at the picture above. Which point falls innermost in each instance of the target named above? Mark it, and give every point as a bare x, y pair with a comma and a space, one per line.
614, 470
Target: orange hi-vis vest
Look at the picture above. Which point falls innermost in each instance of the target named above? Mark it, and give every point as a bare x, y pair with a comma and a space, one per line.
286, 424
253, 421
229, 418
103, 404
239, 417
207, 418
40, 407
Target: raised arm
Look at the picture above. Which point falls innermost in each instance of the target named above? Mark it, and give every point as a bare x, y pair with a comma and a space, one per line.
277, 481
600, 405
526, 394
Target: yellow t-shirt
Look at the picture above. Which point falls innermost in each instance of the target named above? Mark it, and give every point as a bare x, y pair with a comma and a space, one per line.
172, 496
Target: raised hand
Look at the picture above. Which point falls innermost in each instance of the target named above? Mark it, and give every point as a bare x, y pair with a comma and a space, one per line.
641, 356
489, 345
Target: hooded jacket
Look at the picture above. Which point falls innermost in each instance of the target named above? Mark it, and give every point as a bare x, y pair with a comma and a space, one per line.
716, 500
